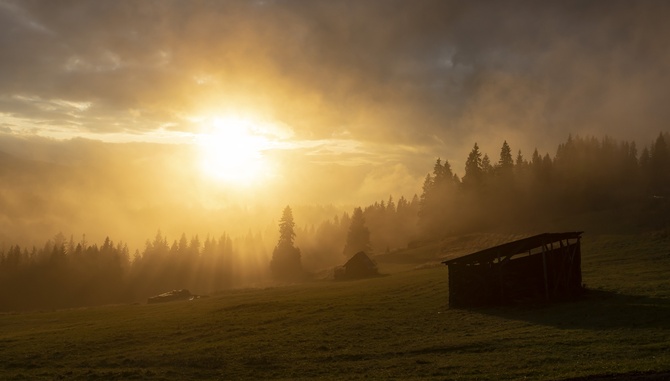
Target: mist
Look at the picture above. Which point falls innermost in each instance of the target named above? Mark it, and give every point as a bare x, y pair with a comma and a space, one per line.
102, 106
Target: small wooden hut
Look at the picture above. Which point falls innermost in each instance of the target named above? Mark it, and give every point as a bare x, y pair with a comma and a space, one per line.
544, 267
359, 266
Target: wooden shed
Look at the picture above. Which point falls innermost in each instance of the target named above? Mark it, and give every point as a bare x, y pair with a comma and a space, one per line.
359, 266
545, 267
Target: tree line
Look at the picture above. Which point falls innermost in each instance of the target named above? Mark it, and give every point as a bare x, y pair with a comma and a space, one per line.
586, 174
66, 273
390, 225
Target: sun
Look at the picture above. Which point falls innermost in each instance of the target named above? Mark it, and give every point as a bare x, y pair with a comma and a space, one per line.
232, 150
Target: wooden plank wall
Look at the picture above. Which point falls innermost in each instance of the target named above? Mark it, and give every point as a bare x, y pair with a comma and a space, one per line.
553, 274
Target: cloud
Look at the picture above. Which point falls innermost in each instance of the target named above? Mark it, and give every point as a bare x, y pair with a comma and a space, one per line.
434, 75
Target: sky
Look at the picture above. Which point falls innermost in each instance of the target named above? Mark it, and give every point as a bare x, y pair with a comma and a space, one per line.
344, 102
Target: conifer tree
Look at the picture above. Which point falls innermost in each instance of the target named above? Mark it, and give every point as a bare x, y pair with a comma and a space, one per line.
358, 236
285, 264
506, 162
660, 167
473, 167
520, 161
487, 168
505, 168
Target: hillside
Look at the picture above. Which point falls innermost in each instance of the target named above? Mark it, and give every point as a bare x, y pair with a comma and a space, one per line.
393, 327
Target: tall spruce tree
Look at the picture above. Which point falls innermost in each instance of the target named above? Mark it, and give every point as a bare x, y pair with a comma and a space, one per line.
438, 199
487, 167
358, 236
520, 161
505, 167
660, 167
473, 168
285, 264
506, 162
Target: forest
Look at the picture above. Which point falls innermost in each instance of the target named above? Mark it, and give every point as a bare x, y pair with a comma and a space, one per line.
586, 174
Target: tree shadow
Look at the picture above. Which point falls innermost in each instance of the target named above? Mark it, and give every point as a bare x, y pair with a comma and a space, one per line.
595, 310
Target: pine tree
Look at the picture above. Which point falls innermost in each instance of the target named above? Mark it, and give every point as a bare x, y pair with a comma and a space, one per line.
520, 161
660, 167
285, 264
390, 205
487, 168
473, 167
536, 159
506, 162
426, 192
286, 228
358, 237
505, 167
442, 173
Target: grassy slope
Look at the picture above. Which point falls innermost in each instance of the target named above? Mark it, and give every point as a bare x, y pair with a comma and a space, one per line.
397, 326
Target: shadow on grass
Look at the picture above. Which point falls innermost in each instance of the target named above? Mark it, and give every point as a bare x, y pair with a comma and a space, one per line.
596, 310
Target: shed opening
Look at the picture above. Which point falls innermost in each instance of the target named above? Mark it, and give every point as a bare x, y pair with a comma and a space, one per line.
545, 267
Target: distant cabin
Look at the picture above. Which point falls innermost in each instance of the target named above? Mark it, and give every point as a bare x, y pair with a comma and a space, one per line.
545, 267
359, 266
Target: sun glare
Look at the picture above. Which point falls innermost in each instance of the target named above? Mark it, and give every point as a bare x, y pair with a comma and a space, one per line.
232, 151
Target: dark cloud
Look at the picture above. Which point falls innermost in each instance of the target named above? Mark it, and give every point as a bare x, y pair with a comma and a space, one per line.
441, 74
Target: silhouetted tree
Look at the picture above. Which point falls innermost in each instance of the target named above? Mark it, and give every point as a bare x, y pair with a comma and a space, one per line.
506, 160
521, 175
358, 237
659, 166
473, 168
442, 173
438, 199
487, 167
506, 163
285, 264
390, 205
520, 161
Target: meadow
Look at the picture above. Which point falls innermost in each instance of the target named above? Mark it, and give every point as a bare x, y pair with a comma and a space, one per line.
397, 326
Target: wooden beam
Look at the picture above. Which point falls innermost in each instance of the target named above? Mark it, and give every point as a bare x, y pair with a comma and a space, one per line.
544, 266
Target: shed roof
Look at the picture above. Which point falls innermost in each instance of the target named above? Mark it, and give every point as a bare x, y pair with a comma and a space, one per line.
359, 259
512, 248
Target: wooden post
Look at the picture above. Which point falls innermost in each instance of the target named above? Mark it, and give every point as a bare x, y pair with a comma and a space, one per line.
572, 250
544, 266
500, 280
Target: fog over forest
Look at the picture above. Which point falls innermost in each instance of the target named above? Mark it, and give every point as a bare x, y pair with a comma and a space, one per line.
163, 141
512, 193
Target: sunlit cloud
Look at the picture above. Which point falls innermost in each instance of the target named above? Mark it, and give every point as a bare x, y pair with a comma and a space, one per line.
54, 104
388, 90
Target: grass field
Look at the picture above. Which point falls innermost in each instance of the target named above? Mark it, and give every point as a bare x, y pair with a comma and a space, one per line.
392, 327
